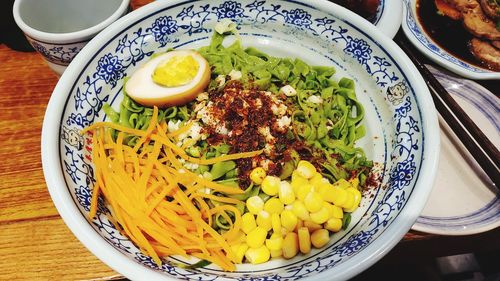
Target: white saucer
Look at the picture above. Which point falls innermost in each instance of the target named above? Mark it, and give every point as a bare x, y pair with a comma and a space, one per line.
463, 201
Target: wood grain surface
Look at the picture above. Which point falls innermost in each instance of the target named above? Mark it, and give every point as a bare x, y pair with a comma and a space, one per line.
35, 244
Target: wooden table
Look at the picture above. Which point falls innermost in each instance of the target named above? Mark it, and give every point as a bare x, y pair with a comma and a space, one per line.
35, 244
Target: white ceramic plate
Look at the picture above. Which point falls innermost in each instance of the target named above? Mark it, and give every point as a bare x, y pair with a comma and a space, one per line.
463, 201
423, 42
402, 129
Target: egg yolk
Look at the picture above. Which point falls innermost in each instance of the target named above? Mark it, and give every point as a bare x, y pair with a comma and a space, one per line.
176, 71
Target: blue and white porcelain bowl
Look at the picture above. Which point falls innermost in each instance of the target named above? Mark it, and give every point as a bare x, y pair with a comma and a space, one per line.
421, 40
388, 17
402, 129
59, 29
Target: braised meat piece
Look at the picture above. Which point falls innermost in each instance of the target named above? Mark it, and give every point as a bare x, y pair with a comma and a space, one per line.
477, 23
463, 5
481, 18
448, 10
486, 53
490, 8
475, 20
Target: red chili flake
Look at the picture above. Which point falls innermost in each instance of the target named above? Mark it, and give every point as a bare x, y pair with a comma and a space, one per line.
243, 112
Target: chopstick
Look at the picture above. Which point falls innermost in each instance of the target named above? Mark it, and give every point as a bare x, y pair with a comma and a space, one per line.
478, 145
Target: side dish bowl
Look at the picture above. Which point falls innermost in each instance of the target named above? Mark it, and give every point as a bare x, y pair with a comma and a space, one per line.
415, 32
402, 133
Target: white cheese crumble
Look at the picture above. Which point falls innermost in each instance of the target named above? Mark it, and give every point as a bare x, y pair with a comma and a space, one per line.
202, 96
199, 106
195, 131
258, 103
266, 132
220, 80
315, 99
264, 163
224, 26
288, 90
173, 126
284, 122
235, 74
221, 129
268, 148
279, 109
191, 166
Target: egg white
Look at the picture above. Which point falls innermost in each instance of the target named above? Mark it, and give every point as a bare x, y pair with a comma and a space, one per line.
142, 89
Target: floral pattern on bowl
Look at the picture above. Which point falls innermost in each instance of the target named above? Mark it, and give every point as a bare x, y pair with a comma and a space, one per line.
56, 53
400, 119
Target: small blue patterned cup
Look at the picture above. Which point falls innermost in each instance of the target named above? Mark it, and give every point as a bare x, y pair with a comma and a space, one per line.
59, 29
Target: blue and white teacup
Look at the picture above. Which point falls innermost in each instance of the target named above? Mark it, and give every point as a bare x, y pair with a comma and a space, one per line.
59, 29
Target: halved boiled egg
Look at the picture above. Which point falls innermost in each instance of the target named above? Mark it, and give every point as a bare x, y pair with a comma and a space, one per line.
173, 78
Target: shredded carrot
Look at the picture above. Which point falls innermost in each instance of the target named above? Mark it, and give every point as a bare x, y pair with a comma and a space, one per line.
155, 201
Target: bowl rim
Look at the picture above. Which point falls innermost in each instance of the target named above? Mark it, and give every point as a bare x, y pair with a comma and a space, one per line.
82, 229
409, 10
71, 37
392, 16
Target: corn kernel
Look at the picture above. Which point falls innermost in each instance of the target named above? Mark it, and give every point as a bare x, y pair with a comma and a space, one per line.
239, 251
273, 206
255, 204
304, 240
248, 222
313, 201
342, 183
356, 193
299, 209
305, 169
276, 253
264, 220
354, 182
349, 203
334, 211
297, 181
285, 193
288, 220
303, 190
357, 199
270, 185
312, 226
275, 242
276, 223
320, 216
320, 238
317, 179
337, 196
333, 224
323, 189
257, 175
290, 245
258, 255
240, 237
300, 223
256, 237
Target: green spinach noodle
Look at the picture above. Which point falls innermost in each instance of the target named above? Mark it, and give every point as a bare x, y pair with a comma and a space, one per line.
326, 115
